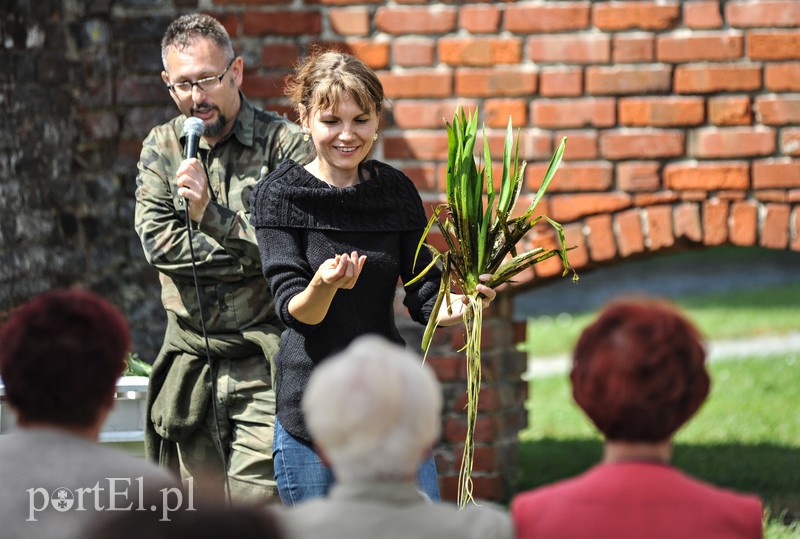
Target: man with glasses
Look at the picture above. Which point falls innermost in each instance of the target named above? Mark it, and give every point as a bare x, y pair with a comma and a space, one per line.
225, 329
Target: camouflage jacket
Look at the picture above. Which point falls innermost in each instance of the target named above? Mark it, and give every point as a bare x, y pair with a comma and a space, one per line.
233, 291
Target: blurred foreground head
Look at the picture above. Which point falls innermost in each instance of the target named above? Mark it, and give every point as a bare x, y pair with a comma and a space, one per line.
373, 410
639, 371
60, 356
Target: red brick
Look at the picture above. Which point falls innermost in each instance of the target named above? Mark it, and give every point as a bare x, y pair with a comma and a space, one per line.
763, 13
693, 196
571, 49
572, 176
263, 86
547, 17
445, 367
417, 84
661, 111
641, 200
790, 141
488, 397
498, 112
730, 110
707, 176
683, 48
631, 235
563, 113
581, 145
495, 82
778, 110
342, 2
568, 208
702, 15
279, 55
713, 142
455, 428
731, 195
560, 81
551, 267
744, 223
413, 51
427, 114
633, 48
602, 245
634, 176
641, 144
415, 20
687, 222
702, 79
424, 177
573, 237
426, 145
782, 77
533, 145
477, 19
773, 44
479, 50
249, 2
628, 79
771, 195
776, 173
659, 228
349, 21
616, 16
715, 222
282, 23
775, 229
373, 53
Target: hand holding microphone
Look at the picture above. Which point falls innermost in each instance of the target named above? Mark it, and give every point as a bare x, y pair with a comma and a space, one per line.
192, 180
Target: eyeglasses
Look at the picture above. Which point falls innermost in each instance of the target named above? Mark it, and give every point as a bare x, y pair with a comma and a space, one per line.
206, 84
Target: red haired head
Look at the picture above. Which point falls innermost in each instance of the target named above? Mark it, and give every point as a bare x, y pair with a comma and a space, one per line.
639, 371
60, 356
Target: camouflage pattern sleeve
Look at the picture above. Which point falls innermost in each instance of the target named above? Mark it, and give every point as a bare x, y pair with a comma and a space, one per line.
160, 220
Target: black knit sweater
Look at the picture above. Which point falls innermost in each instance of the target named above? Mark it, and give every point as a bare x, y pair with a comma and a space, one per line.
300, 222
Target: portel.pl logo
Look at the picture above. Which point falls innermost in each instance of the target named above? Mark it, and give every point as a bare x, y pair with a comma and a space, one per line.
113, 496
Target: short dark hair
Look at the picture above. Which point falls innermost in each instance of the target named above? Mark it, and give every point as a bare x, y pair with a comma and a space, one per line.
184, 30
60, 356
639, 371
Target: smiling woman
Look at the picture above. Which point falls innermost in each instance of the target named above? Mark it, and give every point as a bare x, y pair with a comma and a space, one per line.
335, 237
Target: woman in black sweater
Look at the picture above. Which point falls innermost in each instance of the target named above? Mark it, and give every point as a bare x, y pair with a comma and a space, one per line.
335, 237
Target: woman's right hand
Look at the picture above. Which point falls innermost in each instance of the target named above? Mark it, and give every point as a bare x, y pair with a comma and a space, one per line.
342, 271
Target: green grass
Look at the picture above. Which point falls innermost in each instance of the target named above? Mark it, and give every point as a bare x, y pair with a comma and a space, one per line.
745, 313
746, 437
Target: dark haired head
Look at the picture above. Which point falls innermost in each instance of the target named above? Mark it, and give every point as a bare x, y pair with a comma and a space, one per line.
184, 30
639, 371
60, 356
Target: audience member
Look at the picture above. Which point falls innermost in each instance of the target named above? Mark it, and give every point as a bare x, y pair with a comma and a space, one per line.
206, 522
639, 374
374, 411
60, 357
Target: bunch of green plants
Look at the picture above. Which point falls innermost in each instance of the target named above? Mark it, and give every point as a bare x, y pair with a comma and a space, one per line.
136, 366
481, 235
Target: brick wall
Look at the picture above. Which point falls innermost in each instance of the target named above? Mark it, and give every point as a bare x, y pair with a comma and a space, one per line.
683, 121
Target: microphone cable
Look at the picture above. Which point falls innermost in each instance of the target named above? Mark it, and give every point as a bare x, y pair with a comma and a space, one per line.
212, 371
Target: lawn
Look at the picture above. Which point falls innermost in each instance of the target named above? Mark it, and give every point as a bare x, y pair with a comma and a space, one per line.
747, 435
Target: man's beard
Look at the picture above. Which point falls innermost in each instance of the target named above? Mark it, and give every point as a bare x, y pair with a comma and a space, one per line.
214, 128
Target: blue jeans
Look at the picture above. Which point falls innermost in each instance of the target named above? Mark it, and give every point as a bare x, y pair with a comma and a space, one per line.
301, 474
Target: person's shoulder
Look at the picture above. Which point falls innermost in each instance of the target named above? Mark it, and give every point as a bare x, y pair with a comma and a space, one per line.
274, 120
481, 518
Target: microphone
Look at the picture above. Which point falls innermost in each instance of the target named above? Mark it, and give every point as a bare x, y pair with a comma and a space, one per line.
192, 129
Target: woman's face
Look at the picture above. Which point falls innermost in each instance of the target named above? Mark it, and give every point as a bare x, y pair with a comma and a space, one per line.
343, 137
